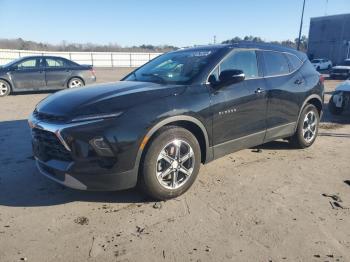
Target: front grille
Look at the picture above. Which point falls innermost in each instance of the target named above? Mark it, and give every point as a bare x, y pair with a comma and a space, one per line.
48, 117
47, 146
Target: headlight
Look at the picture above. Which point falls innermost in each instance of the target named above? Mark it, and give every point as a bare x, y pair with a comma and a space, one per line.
95, 117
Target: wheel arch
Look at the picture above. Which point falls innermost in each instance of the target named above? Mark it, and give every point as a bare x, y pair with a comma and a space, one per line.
71, 77
7, 81
315, 100
317, 103
192, 124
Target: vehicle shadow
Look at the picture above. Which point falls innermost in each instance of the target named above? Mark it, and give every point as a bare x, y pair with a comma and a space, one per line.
21, 185
329, 134
275, 145
35, 92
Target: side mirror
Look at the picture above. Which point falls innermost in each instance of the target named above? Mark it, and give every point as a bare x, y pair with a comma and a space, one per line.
14, 67
229, 77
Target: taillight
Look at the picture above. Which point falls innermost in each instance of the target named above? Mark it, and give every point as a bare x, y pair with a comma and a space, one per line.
92, 71
321, 79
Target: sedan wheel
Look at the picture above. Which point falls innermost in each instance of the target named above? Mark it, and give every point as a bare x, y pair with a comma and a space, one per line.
75, 82
4, 88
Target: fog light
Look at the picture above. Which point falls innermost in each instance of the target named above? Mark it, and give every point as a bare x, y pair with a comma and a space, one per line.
101, 146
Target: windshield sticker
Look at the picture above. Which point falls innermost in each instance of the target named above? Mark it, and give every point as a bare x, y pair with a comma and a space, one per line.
201, 53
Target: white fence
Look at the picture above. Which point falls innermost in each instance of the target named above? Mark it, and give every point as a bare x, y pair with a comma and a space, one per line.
97, 59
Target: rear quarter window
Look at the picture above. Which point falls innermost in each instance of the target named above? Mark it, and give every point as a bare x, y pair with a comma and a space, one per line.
275, 63
294, 62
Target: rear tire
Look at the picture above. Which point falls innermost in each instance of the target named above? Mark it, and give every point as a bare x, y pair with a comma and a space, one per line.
307, 128
75, 82
5, 88
165, 171
334, 109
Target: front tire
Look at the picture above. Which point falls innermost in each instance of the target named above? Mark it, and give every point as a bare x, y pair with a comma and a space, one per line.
5, 88
307, 128
171, 163
75, 82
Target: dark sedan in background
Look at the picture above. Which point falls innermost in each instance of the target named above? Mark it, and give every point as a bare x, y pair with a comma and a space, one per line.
36, 73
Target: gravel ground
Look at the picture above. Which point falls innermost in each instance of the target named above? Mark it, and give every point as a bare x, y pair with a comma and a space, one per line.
277, 204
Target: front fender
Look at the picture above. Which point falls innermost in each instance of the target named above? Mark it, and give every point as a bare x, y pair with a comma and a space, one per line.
172, 119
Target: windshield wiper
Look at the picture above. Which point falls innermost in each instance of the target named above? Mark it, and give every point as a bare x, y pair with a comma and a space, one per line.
162, 80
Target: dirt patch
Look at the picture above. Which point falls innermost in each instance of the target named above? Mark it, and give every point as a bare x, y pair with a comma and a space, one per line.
81, 221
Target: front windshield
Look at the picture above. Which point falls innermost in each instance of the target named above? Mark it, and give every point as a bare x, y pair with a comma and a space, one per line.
12, 62
178, 67
315, 61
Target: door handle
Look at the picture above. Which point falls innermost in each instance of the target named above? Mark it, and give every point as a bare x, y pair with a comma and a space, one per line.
298, 82
259, 91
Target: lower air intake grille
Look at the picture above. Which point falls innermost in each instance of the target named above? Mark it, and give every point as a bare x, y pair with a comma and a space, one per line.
47, 146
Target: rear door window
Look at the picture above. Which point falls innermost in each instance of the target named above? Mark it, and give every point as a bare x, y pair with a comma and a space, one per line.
275, 63
54, 62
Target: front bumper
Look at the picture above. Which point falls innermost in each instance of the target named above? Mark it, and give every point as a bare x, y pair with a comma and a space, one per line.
73, 169
63, 173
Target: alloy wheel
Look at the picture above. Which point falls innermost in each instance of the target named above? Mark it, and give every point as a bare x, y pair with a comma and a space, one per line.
175, 164
309, 126
75, 83
3, 88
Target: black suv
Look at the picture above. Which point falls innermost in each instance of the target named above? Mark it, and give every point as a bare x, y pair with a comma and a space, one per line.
184, 108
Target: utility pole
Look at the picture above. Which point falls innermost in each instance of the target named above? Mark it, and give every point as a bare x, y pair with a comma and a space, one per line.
301, 26
214, 39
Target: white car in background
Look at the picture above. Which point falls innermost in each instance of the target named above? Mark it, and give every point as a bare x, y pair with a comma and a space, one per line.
321, 64
342, 70
340, 99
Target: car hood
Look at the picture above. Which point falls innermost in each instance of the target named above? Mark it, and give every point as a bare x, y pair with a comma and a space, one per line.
345, 86
341, 67
105, 98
